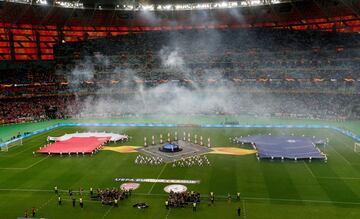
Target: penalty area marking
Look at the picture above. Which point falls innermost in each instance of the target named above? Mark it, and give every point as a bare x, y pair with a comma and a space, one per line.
27, 190
24, 168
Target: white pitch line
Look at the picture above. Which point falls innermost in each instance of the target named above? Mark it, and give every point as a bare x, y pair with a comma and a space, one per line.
36, 190
37, 162
243, 204
302, 200
268, 199
206, 196
26, 190
167, 215
12, 168
107, 212
87, 201
46, 203
24, 168
339, 178
342, 157
308, 168
22, 151
162, 170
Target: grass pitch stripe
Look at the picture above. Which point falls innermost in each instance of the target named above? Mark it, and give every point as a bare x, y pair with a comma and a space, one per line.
27, 190
310, 171
222, 197
244, 208
107, 212
24, 168
167, 215
47, 202
341, 156
162, 170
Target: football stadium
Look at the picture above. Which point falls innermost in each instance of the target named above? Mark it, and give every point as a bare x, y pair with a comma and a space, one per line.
179, 109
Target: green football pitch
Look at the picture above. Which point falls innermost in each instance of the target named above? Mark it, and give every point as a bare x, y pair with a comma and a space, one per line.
269, 189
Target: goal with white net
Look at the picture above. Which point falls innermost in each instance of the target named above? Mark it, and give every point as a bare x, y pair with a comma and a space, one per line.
7, 145
357, 147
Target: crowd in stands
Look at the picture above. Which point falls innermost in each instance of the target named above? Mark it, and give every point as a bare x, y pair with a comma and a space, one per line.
303, 74
246, 54
182, 199
261, 104
281, 58
32, 109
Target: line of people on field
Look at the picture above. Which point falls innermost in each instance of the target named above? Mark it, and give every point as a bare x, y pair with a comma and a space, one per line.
197, 160
146, 160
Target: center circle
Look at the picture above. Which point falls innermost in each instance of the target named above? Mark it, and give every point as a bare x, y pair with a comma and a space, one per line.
176, 188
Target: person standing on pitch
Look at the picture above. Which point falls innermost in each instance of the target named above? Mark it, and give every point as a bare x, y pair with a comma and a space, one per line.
194, 206
33, 212
70, 192
239, 211
91, 192
116, 202
81, 203
229, 197
73, 202
212, 197
59, 200
56, 190
238, 196
167, 204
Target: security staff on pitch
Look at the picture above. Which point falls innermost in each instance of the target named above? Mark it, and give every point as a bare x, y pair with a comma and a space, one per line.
194, 206
70, 192
116, 202
91, 192
229, 197
238, 196
81, 203
56, 190
59, 200
167, 204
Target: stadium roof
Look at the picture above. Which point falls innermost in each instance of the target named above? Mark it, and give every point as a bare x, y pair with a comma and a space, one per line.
30, 28
152, 4
249, 13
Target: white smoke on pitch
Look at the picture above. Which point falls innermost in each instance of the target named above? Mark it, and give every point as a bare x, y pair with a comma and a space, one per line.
182, 91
